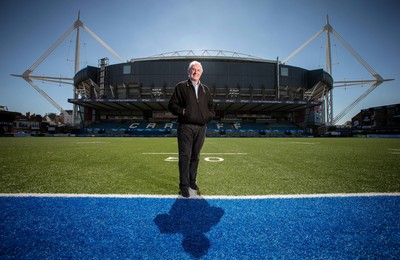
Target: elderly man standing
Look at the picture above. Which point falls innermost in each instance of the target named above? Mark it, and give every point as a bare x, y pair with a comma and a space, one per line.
194, 106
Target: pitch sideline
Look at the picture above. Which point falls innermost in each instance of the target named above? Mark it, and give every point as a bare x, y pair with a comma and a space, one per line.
210, 197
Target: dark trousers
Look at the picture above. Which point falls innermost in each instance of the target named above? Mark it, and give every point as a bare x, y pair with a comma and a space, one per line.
190, 141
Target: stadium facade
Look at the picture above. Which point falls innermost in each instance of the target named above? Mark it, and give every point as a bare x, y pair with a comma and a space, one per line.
251, 94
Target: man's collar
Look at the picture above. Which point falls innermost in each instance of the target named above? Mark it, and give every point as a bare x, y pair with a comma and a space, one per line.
190, 82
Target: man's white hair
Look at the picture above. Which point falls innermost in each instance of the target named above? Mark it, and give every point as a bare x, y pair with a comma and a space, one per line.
195, 63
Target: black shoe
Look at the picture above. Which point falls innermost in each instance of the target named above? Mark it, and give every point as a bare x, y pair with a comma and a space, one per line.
184, 193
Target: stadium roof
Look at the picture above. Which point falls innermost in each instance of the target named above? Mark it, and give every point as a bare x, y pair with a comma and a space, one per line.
203, 54
153, 104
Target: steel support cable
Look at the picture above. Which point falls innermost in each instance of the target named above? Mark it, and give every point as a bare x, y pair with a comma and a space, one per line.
357, 56
304, 45
51, 49
97, 38
54, 103
355, 102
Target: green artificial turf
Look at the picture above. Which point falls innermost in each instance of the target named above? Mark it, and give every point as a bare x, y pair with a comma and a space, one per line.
250, 166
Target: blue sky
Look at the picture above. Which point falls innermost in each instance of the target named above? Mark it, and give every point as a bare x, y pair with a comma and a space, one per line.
141, 28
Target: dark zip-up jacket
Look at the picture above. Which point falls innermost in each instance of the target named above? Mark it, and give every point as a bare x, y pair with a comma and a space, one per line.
198, 111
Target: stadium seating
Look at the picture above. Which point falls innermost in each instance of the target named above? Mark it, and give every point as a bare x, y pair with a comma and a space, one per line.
215, 128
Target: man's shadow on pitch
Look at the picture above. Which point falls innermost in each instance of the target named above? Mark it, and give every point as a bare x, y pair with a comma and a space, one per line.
192, 218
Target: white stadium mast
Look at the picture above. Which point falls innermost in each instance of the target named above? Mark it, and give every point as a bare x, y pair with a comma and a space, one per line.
27, 75
328, 102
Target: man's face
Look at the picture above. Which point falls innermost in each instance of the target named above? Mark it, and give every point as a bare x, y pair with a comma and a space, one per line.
195, 73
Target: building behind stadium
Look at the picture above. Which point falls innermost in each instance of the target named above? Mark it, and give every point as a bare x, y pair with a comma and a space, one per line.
377, 120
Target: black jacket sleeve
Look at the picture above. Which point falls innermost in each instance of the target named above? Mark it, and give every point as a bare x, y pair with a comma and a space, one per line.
175, 104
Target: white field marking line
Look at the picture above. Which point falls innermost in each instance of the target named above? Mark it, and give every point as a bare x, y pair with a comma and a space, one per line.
151, 196
225, 153
394, 151
159, 153
200, 153
302, 143
94, 142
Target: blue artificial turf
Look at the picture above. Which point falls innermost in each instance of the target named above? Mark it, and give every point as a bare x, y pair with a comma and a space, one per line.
146, 228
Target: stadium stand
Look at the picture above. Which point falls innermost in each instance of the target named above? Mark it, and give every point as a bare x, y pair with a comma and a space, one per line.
253, 96
214, 129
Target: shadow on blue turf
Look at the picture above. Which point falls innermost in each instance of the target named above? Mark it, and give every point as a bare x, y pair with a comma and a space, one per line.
192, 218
